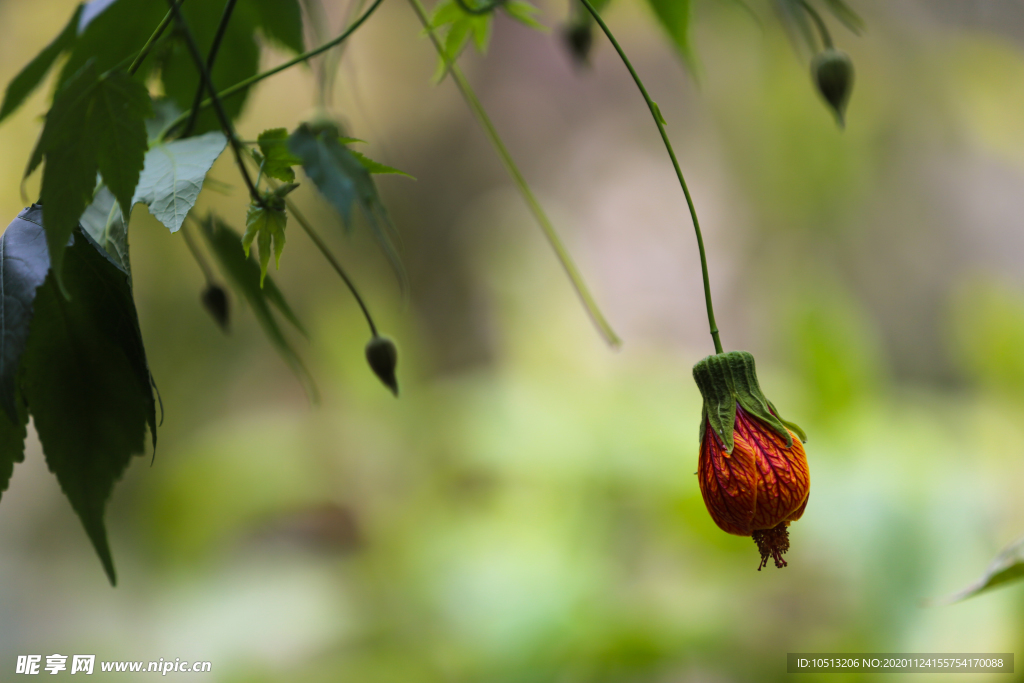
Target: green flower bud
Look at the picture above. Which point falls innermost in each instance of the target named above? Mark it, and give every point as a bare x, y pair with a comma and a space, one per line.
832, 71
382, 356
215, 301
578, 38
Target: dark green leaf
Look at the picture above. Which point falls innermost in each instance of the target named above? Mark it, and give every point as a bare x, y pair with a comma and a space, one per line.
674, 17
173, 176
29, 78
1006, 567
281, 21
95, 124
344, 181
118, 120
24, 262
12, 442
277, 161
244, 275
87, 382
238, 60
114, 36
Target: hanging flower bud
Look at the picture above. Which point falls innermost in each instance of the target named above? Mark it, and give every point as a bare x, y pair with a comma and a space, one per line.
752, 470
382, 356
832, 71
215, 301
578, 38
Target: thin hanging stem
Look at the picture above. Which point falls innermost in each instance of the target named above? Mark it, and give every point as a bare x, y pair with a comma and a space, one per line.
225, 18
826, 37
589, 304
326, 251
197, 255
151, 43
322, 246
252, 80
656, 113
225, 121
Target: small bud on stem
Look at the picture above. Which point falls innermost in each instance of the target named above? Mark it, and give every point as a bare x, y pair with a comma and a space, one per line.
215, 301
832, 71
382, 356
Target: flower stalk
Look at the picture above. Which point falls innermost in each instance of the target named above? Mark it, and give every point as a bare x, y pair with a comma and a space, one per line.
659, 122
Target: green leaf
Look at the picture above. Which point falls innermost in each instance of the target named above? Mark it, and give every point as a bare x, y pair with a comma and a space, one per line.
244, 275
24, 262
114, 36
118, 120
454, 27
239, 59
377, 167
29, 78
12, 442
87, 382
344, 181
674, 17
265, 223
280, 21
524, 13
105, 223
173, 176
1006, 567
277, 161
96, 124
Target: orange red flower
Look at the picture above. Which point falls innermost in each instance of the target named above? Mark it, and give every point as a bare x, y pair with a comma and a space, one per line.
752, 469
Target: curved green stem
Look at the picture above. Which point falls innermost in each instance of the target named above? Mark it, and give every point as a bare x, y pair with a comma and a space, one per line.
826, 37
327, 254
151, 43
207, 82
322, 246
211, 57
252, 80
656, 113
524, 189
198, 255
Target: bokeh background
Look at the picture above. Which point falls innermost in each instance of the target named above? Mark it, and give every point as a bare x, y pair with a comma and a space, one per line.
527, 510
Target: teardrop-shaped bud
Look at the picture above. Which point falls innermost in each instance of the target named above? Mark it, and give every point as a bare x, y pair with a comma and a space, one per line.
215, 301
382, 356
578, 38
832, 71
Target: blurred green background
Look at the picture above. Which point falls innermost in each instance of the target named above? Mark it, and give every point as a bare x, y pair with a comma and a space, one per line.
527, 510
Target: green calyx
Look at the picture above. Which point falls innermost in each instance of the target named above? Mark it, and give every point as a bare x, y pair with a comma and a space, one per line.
728, 379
